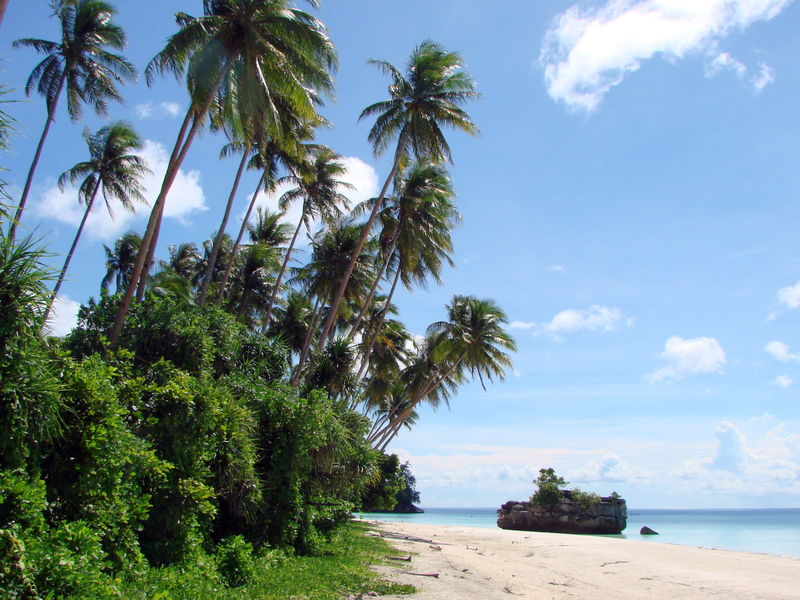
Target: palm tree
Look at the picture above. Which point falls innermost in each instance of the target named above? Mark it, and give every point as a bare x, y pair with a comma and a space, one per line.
421, 101
269, 229
472, 341
80, 63
184, 260
120, 261
244, 148
417, 225
293, 320
330, 255
320, 190
111, 168
247, 50
251, 285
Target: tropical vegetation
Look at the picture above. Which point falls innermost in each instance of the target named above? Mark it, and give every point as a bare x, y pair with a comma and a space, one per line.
223, 409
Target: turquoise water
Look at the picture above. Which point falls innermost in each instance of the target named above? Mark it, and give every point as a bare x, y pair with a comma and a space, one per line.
771, 531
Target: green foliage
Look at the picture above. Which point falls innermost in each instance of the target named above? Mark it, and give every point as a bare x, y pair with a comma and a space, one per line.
409, 495
587, 501
548, 492
381, 495
235, 561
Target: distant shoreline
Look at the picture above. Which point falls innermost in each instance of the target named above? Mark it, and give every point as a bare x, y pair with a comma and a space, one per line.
475, 563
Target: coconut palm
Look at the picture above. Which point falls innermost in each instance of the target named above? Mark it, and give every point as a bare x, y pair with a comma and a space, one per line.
253, 281
244, 53
293, 320
330, 255
416, 231
80, 64
120, 261
319, 187
472, 341
421, 101
110, 168
184, 260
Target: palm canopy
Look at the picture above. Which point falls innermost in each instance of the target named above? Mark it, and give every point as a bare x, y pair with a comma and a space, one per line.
318, 182
111, 166
120, 260
264, 52
421, 100
80, 61
473, 338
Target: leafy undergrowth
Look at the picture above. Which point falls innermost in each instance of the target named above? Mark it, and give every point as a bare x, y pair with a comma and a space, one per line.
342, 569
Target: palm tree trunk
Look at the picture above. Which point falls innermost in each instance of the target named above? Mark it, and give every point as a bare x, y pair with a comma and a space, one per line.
212, 260
232, 258
3, 6
176, 160
379, 325
357, 252
373, 290
72, 250
435, 381
51, 111
285, 264
307, 343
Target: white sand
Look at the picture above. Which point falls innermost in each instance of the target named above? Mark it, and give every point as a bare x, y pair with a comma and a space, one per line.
483, 564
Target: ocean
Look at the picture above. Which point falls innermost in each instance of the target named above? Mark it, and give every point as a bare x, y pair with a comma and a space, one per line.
770, 531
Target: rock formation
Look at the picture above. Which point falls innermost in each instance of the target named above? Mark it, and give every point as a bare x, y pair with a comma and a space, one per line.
609, 516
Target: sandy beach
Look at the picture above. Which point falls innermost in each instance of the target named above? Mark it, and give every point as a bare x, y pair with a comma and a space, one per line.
479, 564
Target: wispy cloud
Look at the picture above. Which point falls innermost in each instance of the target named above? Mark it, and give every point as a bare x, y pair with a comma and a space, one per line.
595, 318
587, 51
780, 351
783, 381
157, 110
692, 356
790, 295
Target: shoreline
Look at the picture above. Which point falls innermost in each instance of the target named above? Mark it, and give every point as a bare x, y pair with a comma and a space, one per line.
451, 562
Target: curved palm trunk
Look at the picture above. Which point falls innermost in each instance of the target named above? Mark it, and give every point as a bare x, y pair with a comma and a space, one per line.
51, 111
378, 326
381, 435
307, 343
3, 6
71, 251
212, 260
374, 289
285, 264
232, 258
176, 160
357, 252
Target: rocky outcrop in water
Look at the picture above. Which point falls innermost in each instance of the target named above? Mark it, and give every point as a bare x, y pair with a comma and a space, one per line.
609, 516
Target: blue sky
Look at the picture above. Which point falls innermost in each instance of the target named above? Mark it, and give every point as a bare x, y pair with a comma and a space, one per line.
632, 203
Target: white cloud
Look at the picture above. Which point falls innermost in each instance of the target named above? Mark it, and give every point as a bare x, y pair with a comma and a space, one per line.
691, 356
587, 51
186, 196
557, 269
63, 317
610, 468
790, 296
768, 462
153, 110
360, 175
594, 318
765, 76
783, 381
780, 351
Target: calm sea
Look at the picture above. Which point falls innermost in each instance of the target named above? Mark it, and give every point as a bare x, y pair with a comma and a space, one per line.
772, 531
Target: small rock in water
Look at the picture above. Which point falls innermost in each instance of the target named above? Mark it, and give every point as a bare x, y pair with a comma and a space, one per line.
647, 531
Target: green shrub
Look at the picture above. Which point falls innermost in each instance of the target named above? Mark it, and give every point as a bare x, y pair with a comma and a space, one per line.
235, 561
587, 501
548, 492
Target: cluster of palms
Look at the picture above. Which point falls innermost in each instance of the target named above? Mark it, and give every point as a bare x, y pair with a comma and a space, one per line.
257, 71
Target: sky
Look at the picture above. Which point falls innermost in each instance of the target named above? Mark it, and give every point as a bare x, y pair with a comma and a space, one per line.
632, 204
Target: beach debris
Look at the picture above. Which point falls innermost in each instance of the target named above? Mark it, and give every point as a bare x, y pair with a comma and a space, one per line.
403, 558
647, 531
436, 575
434, 547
